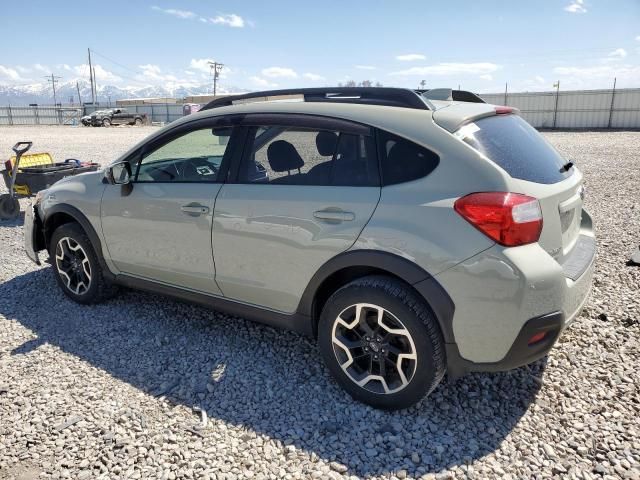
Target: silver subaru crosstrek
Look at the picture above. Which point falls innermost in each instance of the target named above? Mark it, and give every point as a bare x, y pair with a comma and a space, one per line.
413, 233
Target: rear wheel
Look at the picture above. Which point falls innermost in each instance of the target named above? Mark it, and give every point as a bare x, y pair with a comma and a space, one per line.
138, 122
106, 122
76, 265
381, 342
9, 207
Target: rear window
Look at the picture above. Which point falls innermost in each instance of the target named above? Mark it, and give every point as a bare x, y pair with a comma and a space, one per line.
517, 147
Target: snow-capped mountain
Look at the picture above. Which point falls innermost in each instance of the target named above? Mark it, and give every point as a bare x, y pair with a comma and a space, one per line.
41, 93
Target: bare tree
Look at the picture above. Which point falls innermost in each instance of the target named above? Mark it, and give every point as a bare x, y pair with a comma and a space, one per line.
364, 83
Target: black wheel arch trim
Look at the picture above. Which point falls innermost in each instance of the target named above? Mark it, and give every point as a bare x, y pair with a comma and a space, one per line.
424, 283
86, 225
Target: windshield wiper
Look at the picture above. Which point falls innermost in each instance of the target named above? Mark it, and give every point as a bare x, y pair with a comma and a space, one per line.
566, 167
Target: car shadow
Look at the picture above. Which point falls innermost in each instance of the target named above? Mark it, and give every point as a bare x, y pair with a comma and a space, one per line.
233, 369
14, 222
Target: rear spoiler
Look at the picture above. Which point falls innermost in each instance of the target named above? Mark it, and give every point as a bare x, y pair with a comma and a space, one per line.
458, 114
448, 94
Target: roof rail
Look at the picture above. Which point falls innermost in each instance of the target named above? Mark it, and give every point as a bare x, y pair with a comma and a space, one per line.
449, 94
392, 97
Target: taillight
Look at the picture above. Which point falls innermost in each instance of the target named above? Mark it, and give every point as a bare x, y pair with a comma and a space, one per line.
511, 219
500, 110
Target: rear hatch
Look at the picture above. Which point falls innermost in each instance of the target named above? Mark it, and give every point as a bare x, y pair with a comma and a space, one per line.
512, 144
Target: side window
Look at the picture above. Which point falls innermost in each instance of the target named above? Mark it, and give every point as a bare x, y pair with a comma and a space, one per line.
193, 157
300, 156
403, 160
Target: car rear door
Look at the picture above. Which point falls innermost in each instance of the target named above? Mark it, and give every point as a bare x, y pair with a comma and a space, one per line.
158, 227
301, 194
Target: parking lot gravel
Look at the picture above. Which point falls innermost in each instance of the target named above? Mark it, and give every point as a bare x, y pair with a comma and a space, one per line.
144, 387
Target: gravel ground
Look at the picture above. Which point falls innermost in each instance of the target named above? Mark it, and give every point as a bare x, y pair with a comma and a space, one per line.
145, 387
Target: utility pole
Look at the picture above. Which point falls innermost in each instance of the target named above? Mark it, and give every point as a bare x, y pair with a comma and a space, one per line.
95, 84
555, 110
53, 79
423, 83
506, 85
613, 97
215, 69
79, 97
93, 92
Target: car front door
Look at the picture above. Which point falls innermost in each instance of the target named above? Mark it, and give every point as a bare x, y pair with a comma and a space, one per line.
301, 194
119, 117
158, 227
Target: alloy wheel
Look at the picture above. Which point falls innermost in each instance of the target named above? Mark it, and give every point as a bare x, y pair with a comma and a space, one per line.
73, 265
374, 348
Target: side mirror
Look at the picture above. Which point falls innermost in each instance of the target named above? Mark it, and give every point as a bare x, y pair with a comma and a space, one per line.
119, 174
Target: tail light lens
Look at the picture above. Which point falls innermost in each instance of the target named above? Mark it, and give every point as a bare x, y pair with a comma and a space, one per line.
511, 219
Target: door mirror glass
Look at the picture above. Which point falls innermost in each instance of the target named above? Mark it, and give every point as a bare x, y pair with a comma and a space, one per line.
120, 173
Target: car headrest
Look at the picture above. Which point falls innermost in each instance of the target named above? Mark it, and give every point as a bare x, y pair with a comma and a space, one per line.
326, 143
283, 156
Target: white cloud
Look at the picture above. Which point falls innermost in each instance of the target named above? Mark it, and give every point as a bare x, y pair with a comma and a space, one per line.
618, 53
41, 68
539, 79
232, 20
185, 14
22, 69
365, 67
598, 76
638, 38
411, 57
577, 6
313, 77
8, 73
102, 75
261, 82
479, 68
189, 72
486, 76
154, 74
201, 64
279, 72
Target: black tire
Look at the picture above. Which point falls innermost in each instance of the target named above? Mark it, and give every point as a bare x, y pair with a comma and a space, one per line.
137, 122
99, 288
9, 207
416, 318
106, 122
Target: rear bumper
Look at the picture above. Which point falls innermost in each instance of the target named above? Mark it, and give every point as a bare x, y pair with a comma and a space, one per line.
521, 351
503, 294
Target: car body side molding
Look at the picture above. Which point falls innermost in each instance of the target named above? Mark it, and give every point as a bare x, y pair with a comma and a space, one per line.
288, 321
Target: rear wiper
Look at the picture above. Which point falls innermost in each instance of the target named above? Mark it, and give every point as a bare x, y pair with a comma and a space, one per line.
566, 167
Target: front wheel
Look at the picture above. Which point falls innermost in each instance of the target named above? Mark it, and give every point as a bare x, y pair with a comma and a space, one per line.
381, 342
138, 122
106, 122
77, 269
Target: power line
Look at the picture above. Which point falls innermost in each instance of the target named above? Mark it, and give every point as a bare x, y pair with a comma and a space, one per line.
137, 72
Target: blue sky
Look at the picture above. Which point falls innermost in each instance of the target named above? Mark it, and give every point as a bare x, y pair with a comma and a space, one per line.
479, 45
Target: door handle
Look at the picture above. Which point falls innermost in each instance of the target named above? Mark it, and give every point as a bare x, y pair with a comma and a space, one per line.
334, 215
195, 209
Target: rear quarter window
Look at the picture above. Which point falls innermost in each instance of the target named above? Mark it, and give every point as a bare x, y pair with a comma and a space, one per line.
402, 160
517, 147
